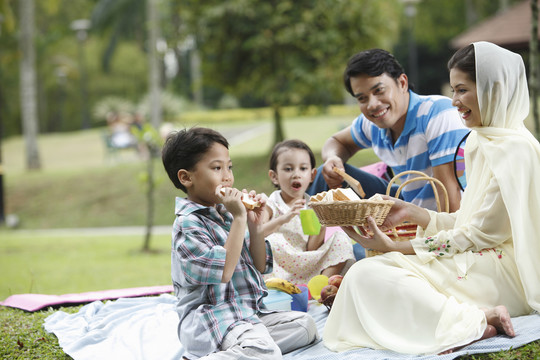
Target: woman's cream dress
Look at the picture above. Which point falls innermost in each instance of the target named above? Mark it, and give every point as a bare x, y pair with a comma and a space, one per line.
484, 255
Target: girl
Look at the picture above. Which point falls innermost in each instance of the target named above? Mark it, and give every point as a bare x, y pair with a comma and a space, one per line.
299, 257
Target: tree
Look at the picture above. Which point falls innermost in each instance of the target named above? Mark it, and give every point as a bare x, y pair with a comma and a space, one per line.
28, 87
286, 51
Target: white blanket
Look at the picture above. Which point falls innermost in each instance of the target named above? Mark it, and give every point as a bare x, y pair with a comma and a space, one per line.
145, 328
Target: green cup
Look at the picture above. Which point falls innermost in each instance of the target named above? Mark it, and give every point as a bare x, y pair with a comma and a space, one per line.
310, 222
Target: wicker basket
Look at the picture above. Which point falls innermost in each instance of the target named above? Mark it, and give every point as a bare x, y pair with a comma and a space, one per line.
351, 213
407, 231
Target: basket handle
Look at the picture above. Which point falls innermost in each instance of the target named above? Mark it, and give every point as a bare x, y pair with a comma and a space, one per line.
422, 176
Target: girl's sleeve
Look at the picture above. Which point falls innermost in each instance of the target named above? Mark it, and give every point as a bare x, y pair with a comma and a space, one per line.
487, 228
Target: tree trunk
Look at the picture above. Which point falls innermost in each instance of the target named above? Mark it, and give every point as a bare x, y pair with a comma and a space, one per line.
278, 127
154, 77
28, 86
149, 202
533, 66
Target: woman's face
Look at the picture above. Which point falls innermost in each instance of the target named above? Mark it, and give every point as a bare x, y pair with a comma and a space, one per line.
465, 97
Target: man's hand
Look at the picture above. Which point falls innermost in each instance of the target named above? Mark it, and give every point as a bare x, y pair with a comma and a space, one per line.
333, 179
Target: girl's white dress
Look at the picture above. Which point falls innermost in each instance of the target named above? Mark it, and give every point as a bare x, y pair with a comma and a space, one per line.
486, 254
291, 260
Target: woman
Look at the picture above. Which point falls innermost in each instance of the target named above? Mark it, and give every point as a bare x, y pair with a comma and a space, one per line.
466, 273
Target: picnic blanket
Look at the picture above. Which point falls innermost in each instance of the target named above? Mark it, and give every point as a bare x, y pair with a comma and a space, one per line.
145, 328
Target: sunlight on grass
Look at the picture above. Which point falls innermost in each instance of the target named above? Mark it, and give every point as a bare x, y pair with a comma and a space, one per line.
77, 263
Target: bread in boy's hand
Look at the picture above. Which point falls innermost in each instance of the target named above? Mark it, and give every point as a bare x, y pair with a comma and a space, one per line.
248, 202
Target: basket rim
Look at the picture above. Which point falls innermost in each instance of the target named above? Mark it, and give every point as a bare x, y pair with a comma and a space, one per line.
360, 201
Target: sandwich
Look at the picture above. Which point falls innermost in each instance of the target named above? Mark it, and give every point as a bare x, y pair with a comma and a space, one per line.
248, 202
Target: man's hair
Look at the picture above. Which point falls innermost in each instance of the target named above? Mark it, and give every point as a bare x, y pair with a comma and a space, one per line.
184, 149
464, 60
373, 62
289, 144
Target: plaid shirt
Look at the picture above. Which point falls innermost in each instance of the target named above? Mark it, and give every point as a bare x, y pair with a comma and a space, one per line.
205, 304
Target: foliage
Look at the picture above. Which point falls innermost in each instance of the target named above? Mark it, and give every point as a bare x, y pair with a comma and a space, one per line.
173, 106
435, 24
286, 52
119, 20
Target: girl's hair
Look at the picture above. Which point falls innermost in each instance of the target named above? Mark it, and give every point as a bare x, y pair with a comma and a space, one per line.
464, 60
185, 148
289, 144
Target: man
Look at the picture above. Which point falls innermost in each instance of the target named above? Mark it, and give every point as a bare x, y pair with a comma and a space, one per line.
406, 131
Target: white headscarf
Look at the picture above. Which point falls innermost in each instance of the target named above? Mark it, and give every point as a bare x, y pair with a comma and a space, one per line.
511, 152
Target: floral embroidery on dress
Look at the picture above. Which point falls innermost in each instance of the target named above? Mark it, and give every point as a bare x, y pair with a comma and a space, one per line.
438, 246
499, 252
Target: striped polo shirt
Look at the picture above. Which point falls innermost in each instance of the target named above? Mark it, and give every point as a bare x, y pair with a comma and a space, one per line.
433, 129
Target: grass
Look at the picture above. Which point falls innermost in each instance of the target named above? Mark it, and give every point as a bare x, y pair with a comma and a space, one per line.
81, 186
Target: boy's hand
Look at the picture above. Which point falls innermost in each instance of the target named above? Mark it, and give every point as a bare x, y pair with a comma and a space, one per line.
256, 215
232, 200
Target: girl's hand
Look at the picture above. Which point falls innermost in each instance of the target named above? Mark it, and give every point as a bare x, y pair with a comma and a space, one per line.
296, 207
377, 241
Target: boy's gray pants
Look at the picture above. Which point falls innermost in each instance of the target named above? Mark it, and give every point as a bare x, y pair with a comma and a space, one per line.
279, 333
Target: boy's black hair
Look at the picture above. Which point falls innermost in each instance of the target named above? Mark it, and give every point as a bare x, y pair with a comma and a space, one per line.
373, 62
184, 149
464, 60
289, 144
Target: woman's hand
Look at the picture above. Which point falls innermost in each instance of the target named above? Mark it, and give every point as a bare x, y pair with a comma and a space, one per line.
373, 239
404, 211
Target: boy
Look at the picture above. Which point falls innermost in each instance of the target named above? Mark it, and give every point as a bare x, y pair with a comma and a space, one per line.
217, 265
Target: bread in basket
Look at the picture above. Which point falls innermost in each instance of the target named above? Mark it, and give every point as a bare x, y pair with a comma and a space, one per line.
342, 207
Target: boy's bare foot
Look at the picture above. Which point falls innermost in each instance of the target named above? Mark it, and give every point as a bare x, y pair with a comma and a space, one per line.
500, 318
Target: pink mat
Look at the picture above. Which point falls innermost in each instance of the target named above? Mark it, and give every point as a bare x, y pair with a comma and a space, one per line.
377, 169
34, 302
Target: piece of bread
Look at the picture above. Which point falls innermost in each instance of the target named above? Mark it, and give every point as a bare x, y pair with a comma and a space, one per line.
339, 194
376, 197
346, 194
248, 202
318, 196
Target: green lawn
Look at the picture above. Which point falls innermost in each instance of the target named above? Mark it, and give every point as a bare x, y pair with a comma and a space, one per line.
81, 186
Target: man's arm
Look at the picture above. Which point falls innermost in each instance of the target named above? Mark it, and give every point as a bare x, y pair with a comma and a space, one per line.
445, 174
336, 151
